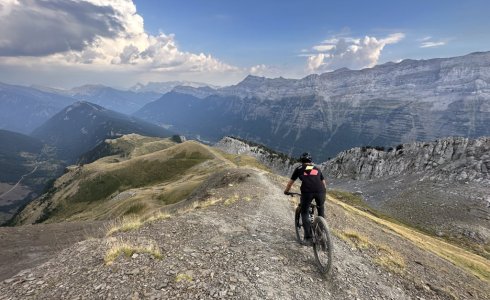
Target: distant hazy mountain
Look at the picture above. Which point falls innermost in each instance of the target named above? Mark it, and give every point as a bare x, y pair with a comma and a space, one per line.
23, 108
165, 87
126, 102
325, 114
81, 126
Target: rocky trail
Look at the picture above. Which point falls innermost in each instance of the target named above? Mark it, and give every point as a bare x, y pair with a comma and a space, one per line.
238, 242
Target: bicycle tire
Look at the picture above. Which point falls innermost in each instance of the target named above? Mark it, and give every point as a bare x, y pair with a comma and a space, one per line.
322, 246
298, 226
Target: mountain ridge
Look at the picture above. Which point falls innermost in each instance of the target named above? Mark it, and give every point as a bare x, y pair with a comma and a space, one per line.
385, 105
79, 127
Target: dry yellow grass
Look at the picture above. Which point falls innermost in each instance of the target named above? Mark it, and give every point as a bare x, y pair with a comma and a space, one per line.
157, 217
124, 224
358, 240
390, 259
127, 249
232, 199
242, 160
183, 277
209, 202
472, 263
383, 255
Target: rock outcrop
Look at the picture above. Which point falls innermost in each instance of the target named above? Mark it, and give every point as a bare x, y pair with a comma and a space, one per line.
278, 162
453, 158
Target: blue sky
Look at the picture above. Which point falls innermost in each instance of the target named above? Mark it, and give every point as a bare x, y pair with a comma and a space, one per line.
70, 42
254, 32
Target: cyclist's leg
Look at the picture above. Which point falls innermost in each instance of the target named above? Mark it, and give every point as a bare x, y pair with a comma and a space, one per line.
305, 213
320, 203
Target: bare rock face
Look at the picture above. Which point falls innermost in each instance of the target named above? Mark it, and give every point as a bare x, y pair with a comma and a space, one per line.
385, 105
454, 159
278, 162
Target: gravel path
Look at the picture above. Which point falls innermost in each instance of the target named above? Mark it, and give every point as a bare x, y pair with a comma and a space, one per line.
241, 247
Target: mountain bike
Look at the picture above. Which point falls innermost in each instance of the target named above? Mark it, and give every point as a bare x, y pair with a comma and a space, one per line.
322, 242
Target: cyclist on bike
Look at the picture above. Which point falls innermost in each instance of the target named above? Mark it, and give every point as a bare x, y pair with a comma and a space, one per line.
313, 186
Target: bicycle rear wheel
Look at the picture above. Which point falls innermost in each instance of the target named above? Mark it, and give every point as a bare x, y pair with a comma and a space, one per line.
322, 245
298, 225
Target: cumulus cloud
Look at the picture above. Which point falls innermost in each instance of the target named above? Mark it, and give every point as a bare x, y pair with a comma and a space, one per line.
97, 34
350, 52
40, 28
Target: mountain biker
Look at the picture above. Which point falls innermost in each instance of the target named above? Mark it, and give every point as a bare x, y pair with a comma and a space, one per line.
313, 186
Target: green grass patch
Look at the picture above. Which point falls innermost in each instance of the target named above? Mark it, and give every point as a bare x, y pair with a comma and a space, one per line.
178, 193
135, 175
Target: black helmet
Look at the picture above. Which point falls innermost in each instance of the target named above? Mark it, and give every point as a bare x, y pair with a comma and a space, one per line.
305, 158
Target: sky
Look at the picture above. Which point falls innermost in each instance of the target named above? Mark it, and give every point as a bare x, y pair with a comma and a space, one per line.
67, 43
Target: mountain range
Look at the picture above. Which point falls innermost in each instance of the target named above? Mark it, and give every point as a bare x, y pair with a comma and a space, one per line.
81, 126
165, 87
414, 100
23, 108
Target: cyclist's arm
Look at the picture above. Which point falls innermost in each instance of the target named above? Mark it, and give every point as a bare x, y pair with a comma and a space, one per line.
288, 186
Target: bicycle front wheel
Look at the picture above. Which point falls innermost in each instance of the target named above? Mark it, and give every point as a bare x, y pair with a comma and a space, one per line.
322, 246
298, 226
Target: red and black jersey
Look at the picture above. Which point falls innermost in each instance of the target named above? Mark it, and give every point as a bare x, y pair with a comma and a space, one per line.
311, 178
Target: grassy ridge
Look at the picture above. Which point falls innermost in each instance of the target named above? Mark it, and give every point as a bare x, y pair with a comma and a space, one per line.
136, 175
473, 263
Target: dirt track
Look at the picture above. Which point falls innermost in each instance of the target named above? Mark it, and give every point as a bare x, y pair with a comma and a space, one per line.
242, 246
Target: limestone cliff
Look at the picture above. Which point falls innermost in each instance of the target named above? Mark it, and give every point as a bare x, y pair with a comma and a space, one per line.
452, 158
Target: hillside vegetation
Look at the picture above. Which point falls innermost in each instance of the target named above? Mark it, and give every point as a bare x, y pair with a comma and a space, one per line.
145, 175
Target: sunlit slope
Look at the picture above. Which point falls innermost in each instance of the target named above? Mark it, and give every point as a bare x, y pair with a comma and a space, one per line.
146, 175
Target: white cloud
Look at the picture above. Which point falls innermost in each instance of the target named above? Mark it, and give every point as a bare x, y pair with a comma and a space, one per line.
429, 42
323, 47
259, 69
350, 52
432, 44
426, 38
97, 35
